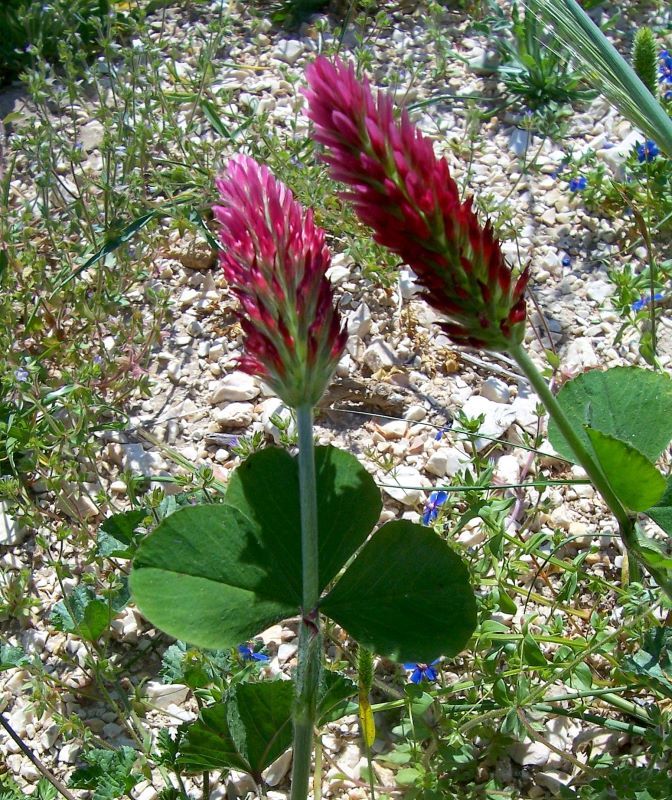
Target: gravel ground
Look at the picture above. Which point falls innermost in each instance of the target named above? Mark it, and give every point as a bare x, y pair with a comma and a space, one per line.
400, 375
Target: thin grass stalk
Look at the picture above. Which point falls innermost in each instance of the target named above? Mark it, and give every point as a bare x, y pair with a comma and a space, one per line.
606, 70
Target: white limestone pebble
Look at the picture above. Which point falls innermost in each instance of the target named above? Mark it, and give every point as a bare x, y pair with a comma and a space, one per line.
162, 695
236, 386
234, 415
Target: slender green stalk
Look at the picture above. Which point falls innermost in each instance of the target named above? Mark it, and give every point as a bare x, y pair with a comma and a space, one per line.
310, 642
626, 521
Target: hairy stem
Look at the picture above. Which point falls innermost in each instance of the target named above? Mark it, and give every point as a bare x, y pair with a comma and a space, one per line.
310, 642
626, 521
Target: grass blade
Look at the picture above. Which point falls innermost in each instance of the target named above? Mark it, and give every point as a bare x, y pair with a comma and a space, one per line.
607, 70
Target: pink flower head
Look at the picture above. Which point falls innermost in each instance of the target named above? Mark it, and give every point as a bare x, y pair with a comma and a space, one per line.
407, 195
275, 259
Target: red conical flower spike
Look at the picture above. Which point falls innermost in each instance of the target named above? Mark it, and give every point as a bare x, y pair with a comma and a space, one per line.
275, 260
407, 195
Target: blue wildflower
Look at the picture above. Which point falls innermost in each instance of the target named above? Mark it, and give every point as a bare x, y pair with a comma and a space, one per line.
246, 653
566, 261
647, 151
665, 67
638, 305
434, 503
21, 375
578, 183
421, 672
442, 430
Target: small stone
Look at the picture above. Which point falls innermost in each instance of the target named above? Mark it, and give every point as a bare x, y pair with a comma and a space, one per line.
286, 651
20, 718
496, 390
402, 484
553, 780
236, 386
147, 793
497, 418
162, 695
529, 754
11, 533
69, 753
359, 321
408, 285
288, 50
30, 772
215, 352
242, 783
278, 769
520, 141
599, 291
140, 461
446, 461
580, 355
393, 431
50, 735
234, 415
379, 355
338, 273
507, 469
415, 413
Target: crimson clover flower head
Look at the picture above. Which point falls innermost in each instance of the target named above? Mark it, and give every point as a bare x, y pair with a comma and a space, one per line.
275, 259
407, 195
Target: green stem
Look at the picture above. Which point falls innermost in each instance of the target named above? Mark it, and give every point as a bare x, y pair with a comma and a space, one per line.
310, 642
626, 522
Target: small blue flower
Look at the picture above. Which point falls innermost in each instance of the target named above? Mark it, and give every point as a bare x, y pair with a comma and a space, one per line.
21, 375
578, 184
647, 151
665, 67
421, 672
566, 260
644, 301
434, 503
246, 653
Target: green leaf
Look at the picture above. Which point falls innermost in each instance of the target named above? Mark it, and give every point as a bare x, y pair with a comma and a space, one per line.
334, 701
634, 479
11, 657
266, 489
82, 613
653, 661
109, 772
628, 403
406, 595
247, 731
532, 655
115, 537
206, 576
661, 512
